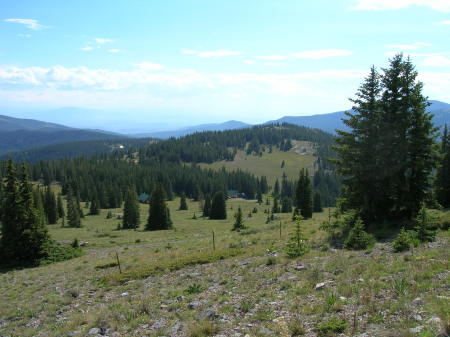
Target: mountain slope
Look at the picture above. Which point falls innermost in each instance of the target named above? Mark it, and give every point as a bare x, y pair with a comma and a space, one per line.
13, 124
331, 121
230, 125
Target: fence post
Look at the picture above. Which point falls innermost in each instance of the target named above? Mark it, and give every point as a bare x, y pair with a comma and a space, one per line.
118, 262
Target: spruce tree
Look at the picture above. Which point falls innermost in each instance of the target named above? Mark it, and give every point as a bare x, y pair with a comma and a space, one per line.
297, 245
159, 214
207, 206
442, 185
303, 194
73, 212
239, 221
275, 207
286, 205
94, 207
317, 204
218, 206
131, 214
387, 156
60, 206
183, 203
50, 206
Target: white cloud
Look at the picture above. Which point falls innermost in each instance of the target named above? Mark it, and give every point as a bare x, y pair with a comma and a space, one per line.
413, 46
249, 62
148, 66
214, 53
436, 61
102, 41
114, 51
274, 64
87, 48
322, 53
29, 23
272, 57
25, 35
380, 5
446, 22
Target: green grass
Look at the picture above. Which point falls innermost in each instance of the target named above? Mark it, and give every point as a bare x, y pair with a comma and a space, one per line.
269, 164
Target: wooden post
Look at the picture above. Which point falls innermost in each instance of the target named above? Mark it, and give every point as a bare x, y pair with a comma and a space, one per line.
329, 214
214, 240
118, 262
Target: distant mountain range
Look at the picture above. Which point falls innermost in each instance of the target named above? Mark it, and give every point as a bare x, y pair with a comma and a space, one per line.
18, 134
230, 125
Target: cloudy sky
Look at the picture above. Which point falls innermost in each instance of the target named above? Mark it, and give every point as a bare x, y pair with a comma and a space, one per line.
212, 60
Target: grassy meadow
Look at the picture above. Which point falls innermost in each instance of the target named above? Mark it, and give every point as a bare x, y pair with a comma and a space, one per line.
174, 284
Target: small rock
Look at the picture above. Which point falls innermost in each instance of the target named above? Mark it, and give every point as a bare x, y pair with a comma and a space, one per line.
343, 298
180, 298
416, 329
245, 262
195, 275
418, 301
194, 305
73, 333
338, 271
94, 331
159, 324
417, 318
320, 286
125, 294
434, 321
300, 267
207, 314
360, 280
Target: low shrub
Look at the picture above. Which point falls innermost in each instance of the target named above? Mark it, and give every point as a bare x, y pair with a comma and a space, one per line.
331, 326
58, 253
404, 240
358, 238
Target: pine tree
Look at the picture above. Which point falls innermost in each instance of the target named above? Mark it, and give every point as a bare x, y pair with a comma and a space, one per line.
131, 214
317, 204
275, 207
24, 240
73, 212
207, 206
297, 245
218, 206
60, 206
286, 205
50, 206
94, 207
183, 203
259, 196
388, 154
303, 194
442, 185
159, 214
239, 221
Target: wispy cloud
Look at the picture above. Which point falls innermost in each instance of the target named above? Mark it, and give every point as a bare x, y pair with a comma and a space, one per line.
87, 48
25, 35
436, 61
322, 53
381, 5
272, 57
29, 23
214, 53
413, 46
114, 51
249, 62
102, 41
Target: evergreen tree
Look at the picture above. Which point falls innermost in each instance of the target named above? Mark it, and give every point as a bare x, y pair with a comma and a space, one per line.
159, 214
388, 154
297, 245
239, 221
73, 212
131, 214
24, 239
276, 189
303, 194
317, 204
60, 206
286, 205
218, 206
183, 203
259, 196
275, 207
442, 185
207, 206
94, 207
50, 206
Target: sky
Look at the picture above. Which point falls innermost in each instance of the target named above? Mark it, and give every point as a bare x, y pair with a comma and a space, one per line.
199, 61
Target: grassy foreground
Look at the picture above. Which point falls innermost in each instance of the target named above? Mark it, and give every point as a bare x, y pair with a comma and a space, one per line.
174, 284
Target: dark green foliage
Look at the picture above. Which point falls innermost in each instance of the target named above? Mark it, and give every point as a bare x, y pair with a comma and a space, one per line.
183, 203
286, 205
73, 211
94, 207
317, 204
404, 240
239, 221
207, 206
358, 238
58, 253
303, 194
75, 243
24, 240
297, 245
426, 227
388, 154
51, 207
131, 214
331, 326
442, 185
159, 216
218, 206
275, 206
60, 206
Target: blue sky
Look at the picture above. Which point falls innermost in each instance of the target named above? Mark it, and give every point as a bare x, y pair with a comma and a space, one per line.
186, 62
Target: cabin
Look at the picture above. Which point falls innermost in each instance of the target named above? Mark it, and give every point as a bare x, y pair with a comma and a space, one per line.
144, 198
